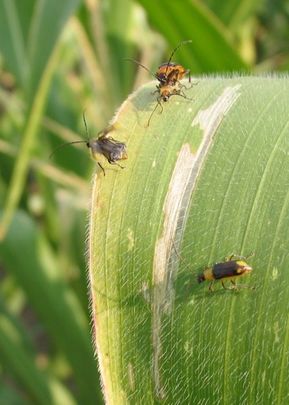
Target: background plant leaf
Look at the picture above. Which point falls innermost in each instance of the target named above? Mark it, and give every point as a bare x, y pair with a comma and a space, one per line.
235, 12
52, 300
212, 48
41, 64
29, 32
18, 356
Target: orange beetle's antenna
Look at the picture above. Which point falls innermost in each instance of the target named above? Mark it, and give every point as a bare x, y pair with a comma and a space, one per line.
141, 65
175, 50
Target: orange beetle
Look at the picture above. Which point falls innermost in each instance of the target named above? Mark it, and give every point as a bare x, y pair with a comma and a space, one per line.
168, 75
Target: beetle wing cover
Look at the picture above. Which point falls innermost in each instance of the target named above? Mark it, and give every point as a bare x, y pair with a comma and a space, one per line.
166, 65
111, 149
164, 70
225, 269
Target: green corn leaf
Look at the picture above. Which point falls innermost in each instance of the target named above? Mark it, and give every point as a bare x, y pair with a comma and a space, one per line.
207, 178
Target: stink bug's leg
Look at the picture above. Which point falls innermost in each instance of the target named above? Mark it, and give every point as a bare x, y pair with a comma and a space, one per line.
187, 98
181, 86
178, 92
99, 164
160, 104
236, 257
246, 286
250, 255
188, 72
239, 286
235, 287
190, 86
152, 113
156, 91
115, 163
211, 286
225, 288
112, 162
181, 94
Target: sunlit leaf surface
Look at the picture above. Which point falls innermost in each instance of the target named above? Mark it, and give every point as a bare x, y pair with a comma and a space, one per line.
207, 178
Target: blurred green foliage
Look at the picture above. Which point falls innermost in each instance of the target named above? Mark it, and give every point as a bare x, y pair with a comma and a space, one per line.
58, 59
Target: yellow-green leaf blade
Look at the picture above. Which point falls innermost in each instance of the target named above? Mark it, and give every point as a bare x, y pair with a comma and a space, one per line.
210, 177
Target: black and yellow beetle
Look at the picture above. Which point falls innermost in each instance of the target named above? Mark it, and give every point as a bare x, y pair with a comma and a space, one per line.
231, 269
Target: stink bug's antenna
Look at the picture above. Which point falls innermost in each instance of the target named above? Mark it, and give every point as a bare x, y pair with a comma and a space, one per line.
73, 142
85, 124
65, 144
175, 50
141, 65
